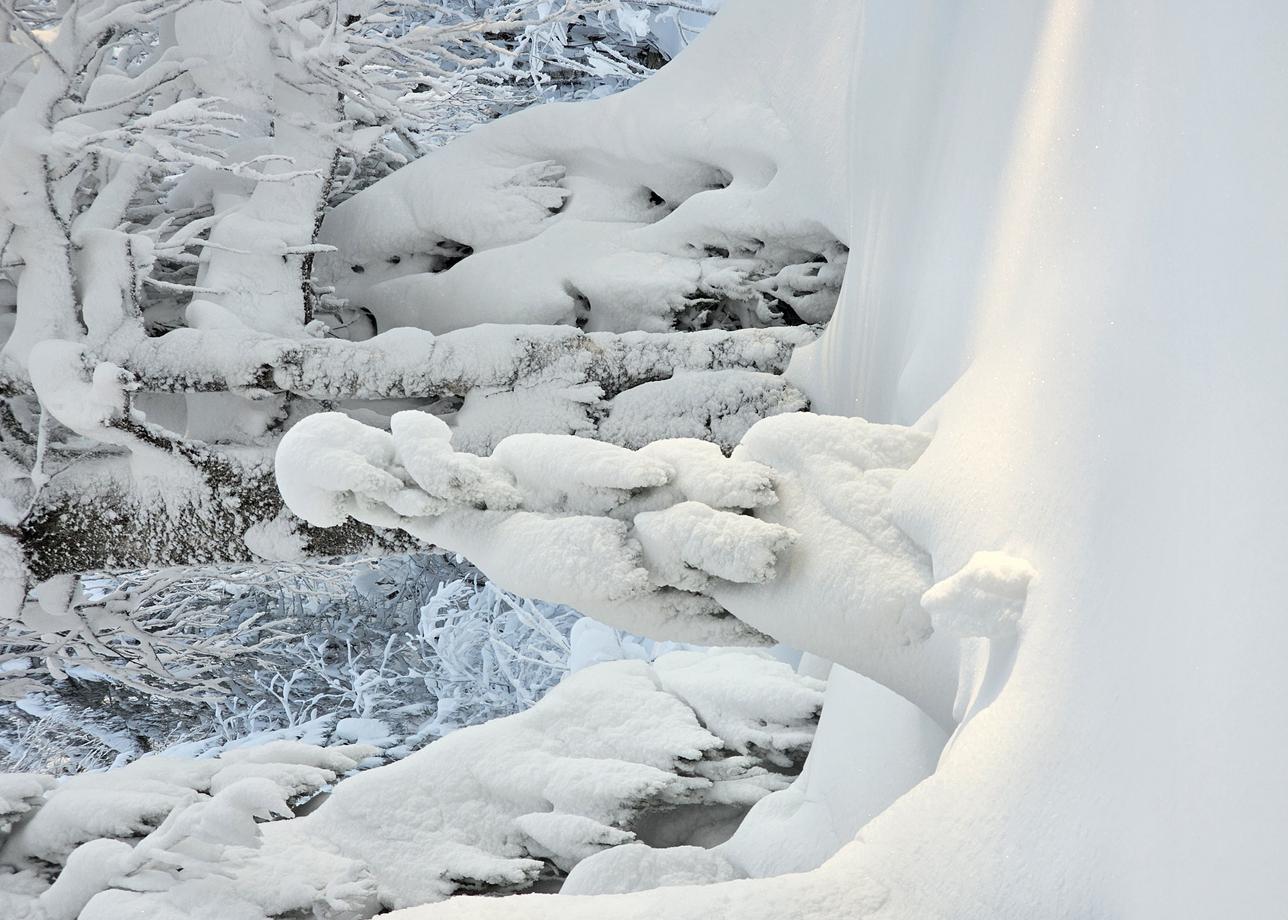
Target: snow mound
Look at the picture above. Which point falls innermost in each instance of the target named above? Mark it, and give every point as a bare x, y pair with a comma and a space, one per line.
612, 755
636, 867
483, 807
984, 599
614, 240
769, 717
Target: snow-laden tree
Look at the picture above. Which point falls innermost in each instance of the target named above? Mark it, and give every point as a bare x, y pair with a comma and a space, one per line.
168, 165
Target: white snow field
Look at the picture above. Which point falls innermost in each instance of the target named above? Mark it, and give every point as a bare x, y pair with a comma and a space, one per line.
1067, 223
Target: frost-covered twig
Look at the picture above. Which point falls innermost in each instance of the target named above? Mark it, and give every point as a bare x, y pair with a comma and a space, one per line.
214, 654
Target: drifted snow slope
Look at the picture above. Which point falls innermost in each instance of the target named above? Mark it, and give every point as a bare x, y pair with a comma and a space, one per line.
1067, 223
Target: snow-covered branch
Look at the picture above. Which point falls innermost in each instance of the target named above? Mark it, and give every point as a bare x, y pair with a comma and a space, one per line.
673, 540
412, 363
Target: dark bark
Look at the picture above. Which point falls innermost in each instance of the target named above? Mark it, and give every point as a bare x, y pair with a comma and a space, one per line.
96, 517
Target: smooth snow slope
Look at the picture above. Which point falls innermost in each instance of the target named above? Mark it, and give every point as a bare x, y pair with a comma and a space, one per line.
1068, 223
1119, 428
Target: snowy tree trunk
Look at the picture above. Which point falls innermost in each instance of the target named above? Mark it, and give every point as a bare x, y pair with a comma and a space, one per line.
166, 500
36, 233
260, 239
408, 363
108, 518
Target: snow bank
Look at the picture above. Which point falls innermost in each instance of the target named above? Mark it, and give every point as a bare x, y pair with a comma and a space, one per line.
637, 867
872, 747
619, 752
482, 807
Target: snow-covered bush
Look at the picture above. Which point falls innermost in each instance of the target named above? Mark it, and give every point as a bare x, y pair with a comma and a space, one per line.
487, 653
397, 651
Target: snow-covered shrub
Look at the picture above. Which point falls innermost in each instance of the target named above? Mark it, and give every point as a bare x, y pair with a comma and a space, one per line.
487, 653
395, 650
